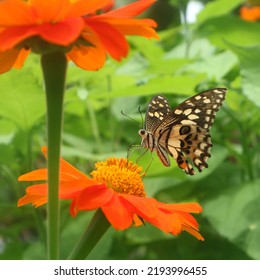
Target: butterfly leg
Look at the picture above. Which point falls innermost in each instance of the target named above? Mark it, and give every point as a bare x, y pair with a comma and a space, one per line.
132, 148
142, 154
130, 151
152, 158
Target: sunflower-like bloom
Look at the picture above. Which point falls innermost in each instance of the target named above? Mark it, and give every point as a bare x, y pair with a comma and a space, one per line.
74, 26
115, 187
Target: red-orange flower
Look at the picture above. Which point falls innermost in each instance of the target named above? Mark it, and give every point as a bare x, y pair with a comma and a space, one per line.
74, 25
250, 13
116, 188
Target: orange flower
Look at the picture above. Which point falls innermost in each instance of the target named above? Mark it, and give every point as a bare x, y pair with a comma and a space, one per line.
250, 13
116, 188
72, 26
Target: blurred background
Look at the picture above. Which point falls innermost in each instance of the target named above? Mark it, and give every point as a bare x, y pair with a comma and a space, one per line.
204, 44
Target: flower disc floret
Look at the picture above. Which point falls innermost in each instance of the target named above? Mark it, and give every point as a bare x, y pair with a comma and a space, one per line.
120, 175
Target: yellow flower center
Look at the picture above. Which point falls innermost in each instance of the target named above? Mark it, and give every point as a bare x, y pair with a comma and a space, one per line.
121, 175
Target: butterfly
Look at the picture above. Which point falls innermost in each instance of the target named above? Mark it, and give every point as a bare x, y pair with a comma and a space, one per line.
184, 132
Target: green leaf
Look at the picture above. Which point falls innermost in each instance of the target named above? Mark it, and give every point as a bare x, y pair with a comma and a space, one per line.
235, 214
23, 98
230, 28
7, 129
249, 56
217, 8
147, 233
180, 84
103, 247
218, 156
215, 66
194, 50
36, 251
150, 49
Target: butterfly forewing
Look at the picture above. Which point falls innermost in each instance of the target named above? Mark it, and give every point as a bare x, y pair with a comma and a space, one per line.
183, 133
158, 109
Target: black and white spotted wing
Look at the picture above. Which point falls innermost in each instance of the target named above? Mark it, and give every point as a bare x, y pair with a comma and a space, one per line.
182, 133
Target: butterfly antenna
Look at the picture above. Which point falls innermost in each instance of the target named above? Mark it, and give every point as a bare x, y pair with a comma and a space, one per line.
124, 114
139, 110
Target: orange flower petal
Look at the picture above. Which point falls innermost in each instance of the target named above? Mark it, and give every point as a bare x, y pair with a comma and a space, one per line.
190, 225
119, 216
35, 175
14, 35
67, 190
83, 7
140, 27
49, 10
91, 57
137, 221
188, 219
130, 10
36, 194
193, 232
21, 58
63, 32
88, 58
191, 207
113, 40
142, 206
38, 189
168, 223
72, 188
94, 197
34, 199
8, 59
68, 171
173, 218
18, 10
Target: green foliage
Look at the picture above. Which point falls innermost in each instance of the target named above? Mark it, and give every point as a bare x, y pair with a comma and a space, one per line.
220, 49
217, 9
248, 55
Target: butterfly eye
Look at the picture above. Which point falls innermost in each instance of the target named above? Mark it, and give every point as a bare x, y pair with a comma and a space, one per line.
142, 132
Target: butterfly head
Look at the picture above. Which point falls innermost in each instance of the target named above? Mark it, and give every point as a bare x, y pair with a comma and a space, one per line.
143, 133
147, 139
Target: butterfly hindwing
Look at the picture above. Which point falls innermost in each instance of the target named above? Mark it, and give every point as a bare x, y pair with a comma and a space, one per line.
187, 144
183, 132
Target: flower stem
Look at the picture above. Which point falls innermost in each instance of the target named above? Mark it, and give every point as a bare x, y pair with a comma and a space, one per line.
54, 71
95, 230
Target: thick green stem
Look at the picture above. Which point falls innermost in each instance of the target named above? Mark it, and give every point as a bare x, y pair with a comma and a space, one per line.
95, 230
54, 71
